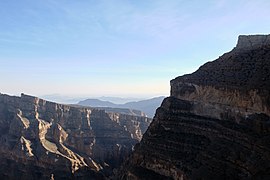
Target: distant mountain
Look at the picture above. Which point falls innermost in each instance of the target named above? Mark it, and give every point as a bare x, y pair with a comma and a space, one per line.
68, 99
147, 106
118, 100
62, 98
96, 103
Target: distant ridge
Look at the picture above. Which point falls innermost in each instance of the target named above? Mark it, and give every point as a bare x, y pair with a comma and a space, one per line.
147, 106
96, 103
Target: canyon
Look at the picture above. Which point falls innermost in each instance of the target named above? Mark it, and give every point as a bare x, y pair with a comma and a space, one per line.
214, 125
45, 140
216, 122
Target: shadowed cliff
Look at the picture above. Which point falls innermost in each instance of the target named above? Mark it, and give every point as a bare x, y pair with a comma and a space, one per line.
215, 124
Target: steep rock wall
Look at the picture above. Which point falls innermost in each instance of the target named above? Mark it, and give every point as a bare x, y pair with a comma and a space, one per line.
215, 124
42, 140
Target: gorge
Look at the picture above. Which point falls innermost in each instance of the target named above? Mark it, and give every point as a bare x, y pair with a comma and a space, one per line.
42, 140
214, 125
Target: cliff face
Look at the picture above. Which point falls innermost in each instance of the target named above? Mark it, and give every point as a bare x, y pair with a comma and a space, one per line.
42, 140
215, 124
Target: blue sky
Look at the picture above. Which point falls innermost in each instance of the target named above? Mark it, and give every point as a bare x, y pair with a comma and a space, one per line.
116, 47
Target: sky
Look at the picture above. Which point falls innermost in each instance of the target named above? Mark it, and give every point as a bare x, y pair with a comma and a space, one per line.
125, 48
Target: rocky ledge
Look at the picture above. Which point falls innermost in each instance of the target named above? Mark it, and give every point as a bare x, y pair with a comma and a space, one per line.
215, 124
43, 140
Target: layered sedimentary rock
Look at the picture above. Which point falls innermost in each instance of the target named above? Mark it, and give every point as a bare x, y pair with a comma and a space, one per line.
215, 124
42, 140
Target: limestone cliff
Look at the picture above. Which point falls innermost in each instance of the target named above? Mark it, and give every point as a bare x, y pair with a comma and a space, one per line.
42, 140
215, 124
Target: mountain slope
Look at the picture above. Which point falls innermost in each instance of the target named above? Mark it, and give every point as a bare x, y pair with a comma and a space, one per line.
215, 124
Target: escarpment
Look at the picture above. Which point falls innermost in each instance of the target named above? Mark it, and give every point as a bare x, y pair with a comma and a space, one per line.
238, 79
43, 140
216, 122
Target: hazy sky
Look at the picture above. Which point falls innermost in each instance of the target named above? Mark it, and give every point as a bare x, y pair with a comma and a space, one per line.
116, 47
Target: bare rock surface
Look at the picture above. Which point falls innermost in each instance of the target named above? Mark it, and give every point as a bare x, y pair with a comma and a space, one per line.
42, 140
215, 124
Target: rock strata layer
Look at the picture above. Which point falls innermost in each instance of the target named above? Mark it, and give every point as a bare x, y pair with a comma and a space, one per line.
43, 140
215, 124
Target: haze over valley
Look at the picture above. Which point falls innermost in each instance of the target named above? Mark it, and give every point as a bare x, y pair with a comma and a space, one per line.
116, 48
134, 89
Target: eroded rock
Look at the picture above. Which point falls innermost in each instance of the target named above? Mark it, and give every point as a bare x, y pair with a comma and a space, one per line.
215, 124
41, 139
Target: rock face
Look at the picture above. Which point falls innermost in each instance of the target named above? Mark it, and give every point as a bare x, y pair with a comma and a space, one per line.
253, 41
215, 124
43, 140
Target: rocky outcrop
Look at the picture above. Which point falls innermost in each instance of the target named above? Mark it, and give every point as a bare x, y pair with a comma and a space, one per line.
215, 124
42, 140
247, 42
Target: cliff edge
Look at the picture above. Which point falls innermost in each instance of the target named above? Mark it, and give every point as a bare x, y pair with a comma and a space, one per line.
42, 140
216, 122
